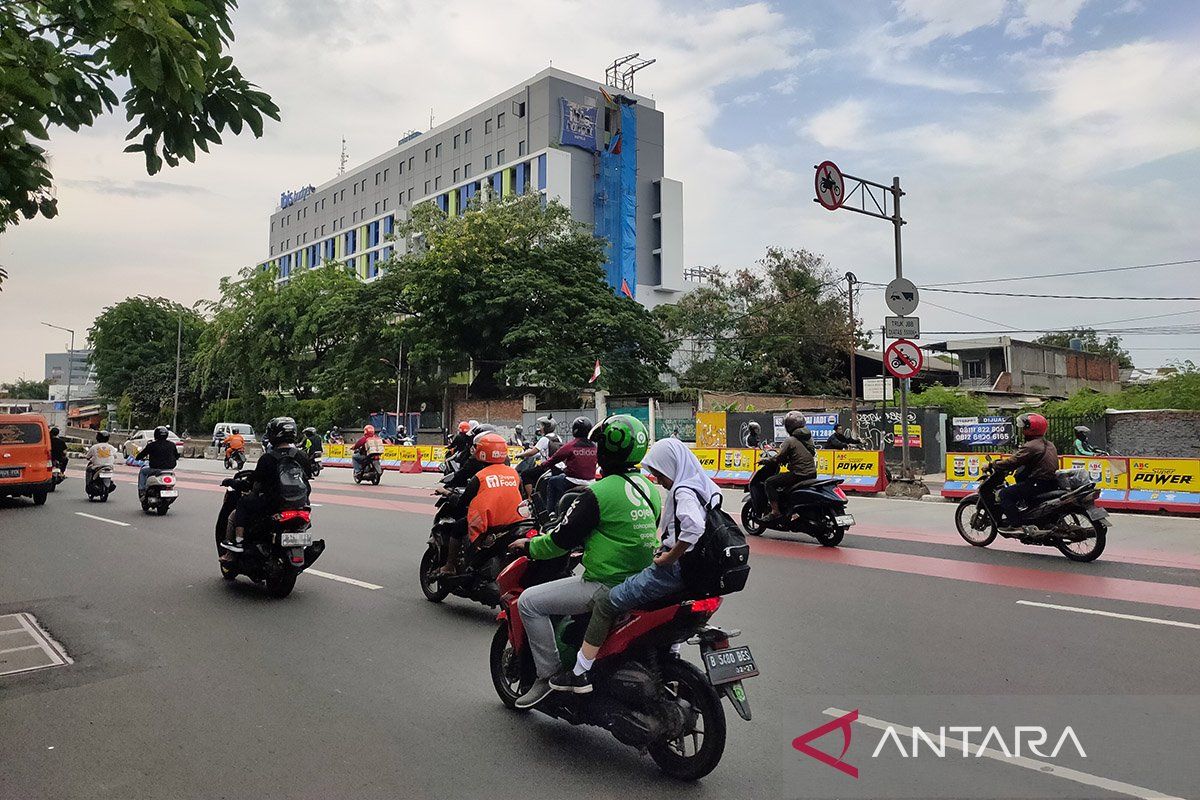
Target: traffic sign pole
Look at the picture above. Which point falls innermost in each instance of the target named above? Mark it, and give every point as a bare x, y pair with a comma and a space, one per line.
897, 222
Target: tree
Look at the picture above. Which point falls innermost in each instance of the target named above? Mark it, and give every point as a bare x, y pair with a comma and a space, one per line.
781, 328
59, 61
1110, 346
133, 353
955, 402
518, 290
26, 389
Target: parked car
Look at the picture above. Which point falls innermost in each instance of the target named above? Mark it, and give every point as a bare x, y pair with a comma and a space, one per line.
25, 466
134, 444
223, 429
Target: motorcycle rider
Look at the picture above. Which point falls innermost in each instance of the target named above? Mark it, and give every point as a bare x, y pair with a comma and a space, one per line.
1033, 465
546, 444
334, 436
361, 456
491, 499
797, 453
1082, 446
460, 445
518, 437
101, 454
840, 439
234, 442
615, 520
263, 497
676, 468
578, 458
158, 454
58, 450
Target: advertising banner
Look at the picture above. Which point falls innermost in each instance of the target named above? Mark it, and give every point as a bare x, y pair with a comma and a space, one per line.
860, 470
1164, 483
578, 125
710, 429
963, 472
336, 455
709, 459
825, 462
981, 430
821, 425
737, 466
914, 435
1110, 474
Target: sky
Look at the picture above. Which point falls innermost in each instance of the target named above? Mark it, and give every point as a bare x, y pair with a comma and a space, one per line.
1030, 136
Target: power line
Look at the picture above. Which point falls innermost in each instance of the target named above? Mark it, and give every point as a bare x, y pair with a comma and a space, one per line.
1045, 296
1099, 271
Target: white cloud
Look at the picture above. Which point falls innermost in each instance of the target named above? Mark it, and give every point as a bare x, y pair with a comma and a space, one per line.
1055, 14
842, 125
950, 18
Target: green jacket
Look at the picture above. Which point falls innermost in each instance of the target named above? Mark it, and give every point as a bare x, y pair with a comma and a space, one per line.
616, 527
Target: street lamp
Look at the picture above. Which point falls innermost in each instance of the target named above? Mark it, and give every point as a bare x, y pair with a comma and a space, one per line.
399, 365
70, 364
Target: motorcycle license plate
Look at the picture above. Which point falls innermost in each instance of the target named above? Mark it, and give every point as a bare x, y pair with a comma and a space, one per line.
168, 493
844, 520
298, 539
727, 666
1096, 513
10, 472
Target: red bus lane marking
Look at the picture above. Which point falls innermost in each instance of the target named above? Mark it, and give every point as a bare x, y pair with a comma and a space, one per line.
1161, 594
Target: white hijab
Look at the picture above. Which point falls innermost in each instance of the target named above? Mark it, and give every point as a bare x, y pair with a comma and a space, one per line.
676, 460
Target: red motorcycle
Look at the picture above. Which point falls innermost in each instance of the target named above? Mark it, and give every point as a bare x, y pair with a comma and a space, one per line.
645, 694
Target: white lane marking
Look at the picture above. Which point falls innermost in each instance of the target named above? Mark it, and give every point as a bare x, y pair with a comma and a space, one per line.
1113, 614
102, 519
316, 505
1040, 767
53, 650
25, 647
351, 581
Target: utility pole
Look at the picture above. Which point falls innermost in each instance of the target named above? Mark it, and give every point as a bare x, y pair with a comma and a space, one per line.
399, 367
178, 350
850, 281
70, 371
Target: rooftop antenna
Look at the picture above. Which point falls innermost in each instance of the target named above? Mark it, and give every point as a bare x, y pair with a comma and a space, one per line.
344, 158
431, 118
623, 78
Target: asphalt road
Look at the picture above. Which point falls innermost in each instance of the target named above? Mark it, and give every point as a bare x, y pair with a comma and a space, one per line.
185, 686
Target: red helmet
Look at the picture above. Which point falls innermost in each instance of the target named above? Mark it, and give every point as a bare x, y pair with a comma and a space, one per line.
464, 426
491, 448
369, 430
1033, 425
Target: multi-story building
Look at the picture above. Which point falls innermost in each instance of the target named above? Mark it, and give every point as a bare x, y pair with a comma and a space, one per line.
74, 364
596, 149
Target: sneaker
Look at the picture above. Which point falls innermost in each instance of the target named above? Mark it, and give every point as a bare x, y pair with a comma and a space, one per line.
565, 680
536, 694
233, 547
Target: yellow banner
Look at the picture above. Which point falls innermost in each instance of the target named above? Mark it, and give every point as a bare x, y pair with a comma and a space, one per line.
914, 435
855, 462
708, 459
710, 429
825, 462
337, 451
1108, 473
968, 467
738, 460
1164, 474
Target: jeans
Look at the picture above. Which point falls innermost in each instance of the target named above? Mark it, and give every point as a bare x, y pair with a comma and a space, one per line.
143, 475
360, 461
564, 597
652, 583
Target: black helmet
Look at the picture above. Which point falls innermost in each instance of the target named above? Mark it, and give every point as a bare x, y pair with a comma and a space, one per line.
101, 437
161, 433
546, 424
793, 421
310, 431
281, 430
54, 431
1083, 431
753, 426
482, 427
621, 441
581, 427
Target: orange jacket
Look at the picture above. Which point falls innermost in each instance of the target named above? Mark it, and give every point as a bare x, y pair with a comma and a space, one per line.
497, 503
234, 441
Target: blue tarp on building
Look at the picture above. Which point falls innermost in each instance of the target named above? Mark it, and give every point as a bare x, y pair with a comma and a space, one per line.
616, 202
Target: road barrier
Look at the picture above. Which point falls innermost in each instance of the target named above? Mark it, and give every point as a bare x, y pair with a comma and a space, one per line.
1135, 484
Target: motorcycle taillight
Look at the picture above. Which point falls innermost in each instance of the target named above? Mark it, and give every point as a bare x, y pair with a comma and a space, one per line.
288, 516
841, 495
708, 605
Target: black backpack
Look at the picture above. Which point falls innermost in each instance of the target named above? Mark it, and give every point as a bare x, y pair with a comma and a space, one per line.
293, 487
719, 563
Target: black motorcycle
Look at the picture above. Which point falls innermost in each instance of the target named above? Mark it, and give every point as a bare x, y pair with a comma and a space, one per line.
372, 471
235, 460
816, 507
1066, 517
275, 551
316, 461
100, 484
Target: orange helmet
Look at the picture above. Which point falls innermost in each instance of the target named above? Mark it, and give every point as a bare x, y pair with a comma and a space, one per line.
369, 430
464, 426
491, 448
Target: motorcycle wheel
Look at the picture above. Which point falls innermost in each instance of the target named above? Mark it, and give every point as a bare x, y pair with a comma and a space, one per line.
830, 538
1087, 550
103, 497
695, 754
375, 481
750, 524
161, 509
227, 573
358, 478
965, 519
503, 670
280, 582
433, 589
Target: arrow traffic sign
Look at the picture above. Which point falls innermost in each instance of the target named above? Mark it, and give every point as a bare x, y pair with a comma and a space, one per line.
903, 359
831, 186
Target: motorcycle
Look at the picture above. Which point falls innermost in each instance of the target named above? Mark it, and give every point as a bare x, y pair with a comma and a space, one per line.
316, 463
100, 485
644, 693
1066, 517
235, 459
161, 490
479, 562
545, 515
275, 551
372, 471
57, 475
816, 507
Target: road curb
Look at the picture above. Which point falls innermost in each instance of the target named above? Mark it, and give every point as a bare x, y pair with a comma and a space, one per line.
934, 498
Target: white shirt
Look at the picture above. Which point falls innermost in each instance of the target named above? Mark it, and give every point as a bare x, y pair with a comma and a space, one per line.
101, 454
689, 516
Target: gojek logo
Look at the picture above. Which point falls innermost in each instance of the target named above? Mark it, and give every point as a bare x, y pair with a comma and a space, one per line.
843, 723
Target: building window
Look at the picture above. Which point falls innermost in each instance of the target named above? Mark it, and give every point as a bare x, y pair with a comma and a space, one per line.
437, 150
487, 162
427, 152
385, 204
457, 137
376, 206
272, 249
410, 163
500, 120
521, 147
499, 157
385, 176
402, 166
467, 136
467, 171
354, 190
354, 217
363, 214
426, 187
437, 183
518, 109
972, 369
456, 176
487, 127
376, 178
410, 191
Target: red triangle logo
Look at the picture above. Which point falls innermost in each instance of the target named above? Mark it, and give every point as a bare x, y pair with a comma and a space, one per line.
843, 722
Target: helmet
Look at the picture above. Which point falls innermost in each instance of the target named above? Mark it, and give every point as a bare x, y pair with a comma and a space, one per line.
490, 448
335, 429
101, 437
1083, 431
310, 431
473, 423
464, 426
753, 426
546, 424
281, 430
368, 430
621, 442
1032, 425
160, 433
581, 427
793, 421
54, 431
519, 429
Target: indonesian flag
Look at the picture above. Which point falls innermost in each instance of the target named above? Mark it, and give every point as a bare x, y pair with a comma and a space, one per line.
625, 290
595, 372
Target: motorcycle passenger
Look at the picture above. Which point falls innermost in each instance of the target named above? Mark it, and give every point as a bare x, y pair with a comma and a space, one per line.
676, 468
361, 456
234, 442
546, 444
265, 490
840, 439
615, 520
491, 499
158, 454
1082, 446
797, 453
1033, 465
58, 449
578, 458
101, 454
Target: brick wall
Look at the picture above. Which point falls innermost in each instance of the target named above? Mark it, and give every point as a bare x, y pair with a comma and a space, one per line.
496, 412
1155, 434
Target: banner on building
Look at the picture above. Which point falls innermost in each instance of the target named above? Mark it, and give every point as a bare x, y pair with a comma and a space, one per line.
578, 125
981, 430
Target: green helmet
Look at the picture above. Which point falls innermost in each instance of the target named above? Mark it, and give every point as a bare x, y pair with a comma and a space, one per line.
621, 441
